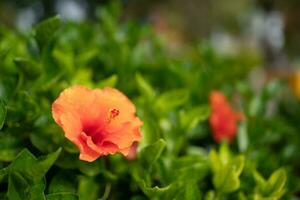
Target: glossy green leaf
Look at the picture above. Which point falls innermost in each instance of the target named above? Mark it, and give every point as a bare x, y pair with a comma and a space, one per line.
277, 181
45, 30
238, 163
144, 87
226, 180
224, 154
190, 168
20, 188
150, 131
171, 99
190, 118
108, 82
167, 192
30, 167
215, 160
260, 181
274, 187
226, 169
149, 154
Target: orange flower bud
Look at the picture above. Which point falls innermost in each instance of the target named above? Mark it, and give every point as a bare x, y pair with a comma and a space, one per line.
99, 122
223, 119
132, 152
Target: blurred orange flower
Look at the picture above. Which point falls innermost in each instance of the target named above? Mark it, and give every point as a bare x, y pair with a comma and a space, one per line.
99, 122
223, 119
294, 83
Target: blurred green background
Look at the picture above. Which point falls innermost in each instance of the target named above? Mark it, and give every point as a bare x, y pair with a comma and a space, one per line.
269, 27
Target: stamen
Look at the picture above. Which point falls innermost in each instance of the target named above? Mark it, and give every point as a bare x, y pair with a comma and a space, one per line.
114, 113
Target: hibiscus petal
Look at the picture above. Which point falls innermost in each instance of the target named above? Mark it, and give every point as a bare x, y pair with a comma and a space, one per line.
79, 100
71, 125
124, 136
113, 99
86, 152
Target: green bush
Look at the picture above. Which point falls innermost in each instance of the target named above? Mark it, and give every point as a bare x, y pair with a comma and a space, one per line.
177, 158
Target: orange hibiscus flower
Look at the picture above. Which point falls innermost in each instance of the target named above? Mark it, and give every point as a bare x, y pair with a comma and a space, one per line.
99, 122
223, 119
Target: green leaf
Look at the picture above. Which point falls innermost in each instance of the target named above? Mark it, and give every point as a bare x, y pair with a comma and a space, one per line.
19, 188
3, 111
156, 192
274, 187
30, 167
16, 182
190, 118
226, 180
226, 169
224, 153
149, 154
26, 176
88, 188
108, 82
62, 196
45, 30
83, 77
276, 182
144, 87
260, 181
238, 163
189, 168
150, 130
215, 160
171, 99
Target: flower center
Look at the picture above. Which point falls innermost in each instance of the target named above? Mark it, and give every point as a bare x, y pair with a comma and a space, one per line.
97, 131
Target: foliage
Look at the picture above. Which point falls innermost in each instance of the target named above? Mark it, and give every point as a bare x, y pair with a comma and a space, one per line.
177, 157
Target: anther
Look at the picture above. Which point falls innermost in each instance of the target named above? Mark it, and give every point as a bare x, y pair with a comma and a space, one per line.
114, 113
